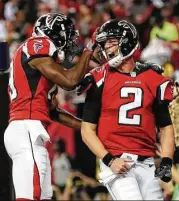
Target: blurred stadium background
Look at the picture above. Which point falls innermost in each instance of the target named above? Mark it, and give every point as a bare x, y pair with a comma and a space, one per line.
74, 166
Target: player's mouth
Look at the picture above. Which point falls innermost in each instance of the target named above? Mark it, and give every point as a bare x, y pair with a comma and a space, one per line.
110, 55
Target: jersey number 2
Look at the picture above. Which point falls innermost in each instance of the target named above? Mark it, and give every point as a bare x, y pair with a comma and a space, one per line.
124, 118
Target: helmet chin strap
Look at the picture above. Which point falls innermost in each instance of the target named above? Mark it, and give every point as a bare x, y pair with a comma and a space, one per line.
116, 61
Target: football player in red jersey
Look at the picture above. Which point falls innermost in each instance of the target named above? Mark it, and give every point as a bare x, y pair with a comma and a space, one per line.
34, 73
123, 106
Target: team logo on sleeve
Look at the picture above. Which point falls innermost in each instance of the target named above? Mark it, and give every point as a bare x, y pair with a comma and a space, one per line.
37, 47
98, 69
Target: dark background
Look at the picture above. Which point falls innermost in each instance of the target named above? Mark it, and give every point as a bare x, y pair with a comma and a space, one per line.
5, 162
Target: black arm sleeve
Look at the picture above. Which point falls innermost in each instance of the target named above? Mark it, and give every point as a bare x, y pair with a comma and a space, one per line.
92, 107
162, 114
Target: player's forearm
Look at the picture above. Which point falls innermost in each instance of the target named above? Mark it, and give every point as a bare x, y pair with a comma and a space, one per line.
76, 73
69, 120
92, 141
67, 79
167, 141
65, 118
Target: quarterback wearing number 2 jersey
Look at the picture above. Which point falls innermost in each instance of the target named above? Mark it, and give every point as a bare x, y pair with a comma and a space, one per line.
123, 107
127, 102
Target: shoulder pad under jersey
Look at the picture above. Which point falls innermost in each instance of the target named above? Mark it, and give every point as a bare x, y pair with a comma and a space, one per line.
36, 47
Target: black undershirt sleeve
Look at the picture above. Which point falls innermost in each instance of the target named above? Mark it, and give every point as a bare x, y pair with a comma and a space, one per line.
92, 106
162, 114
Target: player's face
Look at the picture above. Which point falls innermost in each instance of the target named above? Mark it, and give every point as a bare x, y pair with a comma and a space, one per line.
111, 47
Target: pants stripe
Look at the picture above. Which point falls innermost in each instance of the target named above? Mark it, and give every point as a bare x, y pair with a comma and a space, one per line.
36, 177
110, 191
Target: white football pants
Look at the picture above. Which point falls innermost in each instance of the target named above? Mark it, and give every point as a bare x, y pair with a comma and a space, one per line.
138, 183
31, 171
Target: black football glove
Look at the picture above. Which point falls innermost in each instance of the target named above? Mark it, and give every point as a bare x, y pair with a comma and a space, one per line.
157, 68
85, 84
146, 66
164, 172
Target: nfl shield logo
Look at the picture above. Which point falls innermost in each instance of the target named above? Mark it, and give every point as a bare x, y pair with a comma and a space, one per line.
133, 74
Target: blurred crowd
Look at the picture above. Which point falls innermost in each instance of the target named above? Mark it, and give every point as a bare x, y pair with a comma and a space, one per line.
158, 24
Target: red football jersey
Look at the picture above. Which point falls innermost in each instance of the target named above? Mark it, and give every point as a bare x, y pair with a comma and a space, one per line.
29, 90
127, 121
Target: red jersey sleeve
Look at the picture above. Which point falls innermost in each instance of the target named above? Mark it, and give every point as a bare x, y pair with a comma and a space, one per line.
99, 74
39, 47
94, 77
161, 87
166, 90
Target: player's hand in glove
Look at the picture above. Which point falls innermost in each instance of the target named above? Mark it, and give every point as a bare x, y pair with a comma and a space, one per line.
85, 84
157, 68
91, 45
149, 65
164, 172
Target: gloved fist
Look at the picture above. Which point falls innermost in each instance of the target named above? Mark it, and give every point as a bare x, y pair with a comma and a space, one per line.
91, 45
141, 67
157, 68
85, 84
164, 172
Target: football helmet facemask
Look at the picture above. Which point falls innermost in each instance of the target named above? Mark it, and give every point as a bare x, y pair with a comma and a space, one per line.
61, 30
126, 35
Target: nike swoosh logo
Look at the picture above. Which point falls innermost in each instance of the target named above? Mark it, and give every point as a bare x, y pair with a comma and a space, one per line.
150, 165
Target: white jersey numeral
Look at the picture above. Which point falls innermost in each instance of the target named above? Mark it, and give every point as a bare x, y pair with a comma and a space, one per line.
124, 109
13, 91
